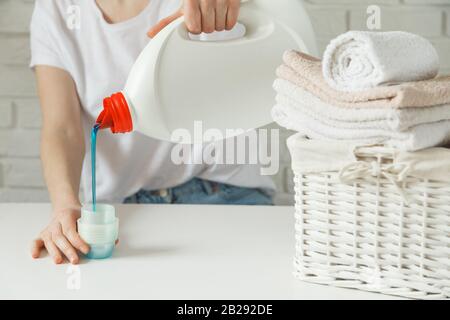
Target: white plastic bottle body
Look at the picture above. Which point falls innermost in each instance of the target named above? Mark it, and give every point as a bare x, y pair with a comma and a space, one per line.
227, 85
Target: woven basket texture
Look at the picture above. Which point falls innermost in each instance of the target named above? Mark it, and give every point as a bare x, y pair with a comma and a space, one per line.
365, 234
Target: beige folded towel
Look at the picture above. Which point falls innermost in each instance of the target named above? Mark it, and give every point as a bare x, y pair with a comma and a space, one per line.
306, 72
394, 119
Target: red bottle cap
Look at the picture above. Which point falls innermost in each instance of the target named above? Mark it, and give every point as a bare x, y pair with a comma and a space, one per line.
116, 114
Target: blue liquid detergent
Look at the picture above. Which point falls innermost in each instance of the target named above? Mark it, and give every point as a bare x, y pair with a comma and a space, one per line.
93, 161
98, 251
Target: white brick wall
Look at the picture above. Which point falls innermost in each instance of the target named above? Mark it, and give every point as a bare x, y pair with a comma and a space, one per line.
20, 170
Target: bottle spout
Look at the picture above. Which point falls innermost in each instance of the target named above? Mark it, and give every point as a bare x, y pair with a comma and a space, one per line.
115, 114
104, 120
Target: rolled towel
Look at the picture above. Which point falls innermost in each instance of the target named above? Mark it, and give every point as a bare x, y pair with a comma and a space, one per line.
416, 138
363, 118
359, 60
306, 72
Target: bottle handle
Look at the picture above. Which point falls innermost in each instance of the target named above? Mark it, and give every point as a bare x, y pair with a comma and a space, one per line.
252, 24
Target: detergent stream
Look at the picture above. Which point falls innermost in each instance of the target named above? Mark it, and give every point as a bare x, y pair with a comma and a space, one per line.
93, 161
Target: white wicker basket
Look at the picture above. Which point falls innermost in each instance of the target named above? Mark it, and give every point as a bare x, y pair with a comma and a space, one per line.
355, 228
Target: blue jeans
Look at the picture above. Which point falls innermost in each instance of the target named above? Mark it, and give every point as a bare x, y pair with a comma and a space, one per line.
198, 191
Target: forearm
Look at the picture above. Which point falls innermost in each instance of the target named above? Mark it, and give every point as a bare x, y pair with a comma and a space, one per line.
62, 153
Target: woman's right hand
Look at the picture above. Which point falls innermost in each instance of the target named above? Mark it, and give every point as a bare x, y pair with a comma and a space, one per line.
61, 238
203, 16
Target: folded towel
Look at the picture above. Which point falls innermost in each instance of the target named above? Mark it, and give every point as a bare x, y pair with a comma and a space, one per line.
306, 72
360, 60
378, 118
417, 138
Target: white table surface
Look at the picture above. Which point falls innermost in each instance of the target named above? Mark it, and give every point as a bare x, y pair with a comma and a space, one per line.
167, 252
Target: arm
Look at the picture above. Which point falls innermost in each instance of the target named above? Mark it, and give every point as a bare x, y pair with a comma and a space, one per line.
203, 16
62, 153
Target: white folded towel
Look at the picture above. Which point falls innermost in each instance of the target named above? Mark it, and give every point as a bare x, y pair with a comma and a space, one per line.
354, 118
359, 60
419, 137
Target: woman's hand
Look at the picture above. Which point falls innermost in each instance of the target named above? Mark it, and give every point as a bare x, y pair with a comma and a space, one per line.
62, 154
61, 238
203, 16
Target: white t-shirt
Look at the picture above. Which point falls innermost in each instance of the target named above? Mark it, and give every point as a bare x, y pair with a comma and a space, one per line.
99, 56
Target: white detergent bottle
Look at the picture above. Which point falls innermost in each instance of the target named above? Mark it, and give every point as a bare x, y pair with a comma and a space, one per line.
180, 80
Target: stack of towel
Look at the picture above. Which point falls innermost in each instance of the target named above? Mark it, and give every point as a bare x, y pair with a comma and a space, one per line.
372, 88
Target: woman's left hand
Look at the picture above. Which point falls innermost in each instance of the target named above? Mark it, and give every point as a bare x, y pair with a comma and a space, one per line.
203, 16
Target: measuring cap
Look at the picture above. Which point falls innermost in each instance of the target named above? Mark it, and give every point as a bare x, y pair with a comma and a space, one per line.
99, 229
